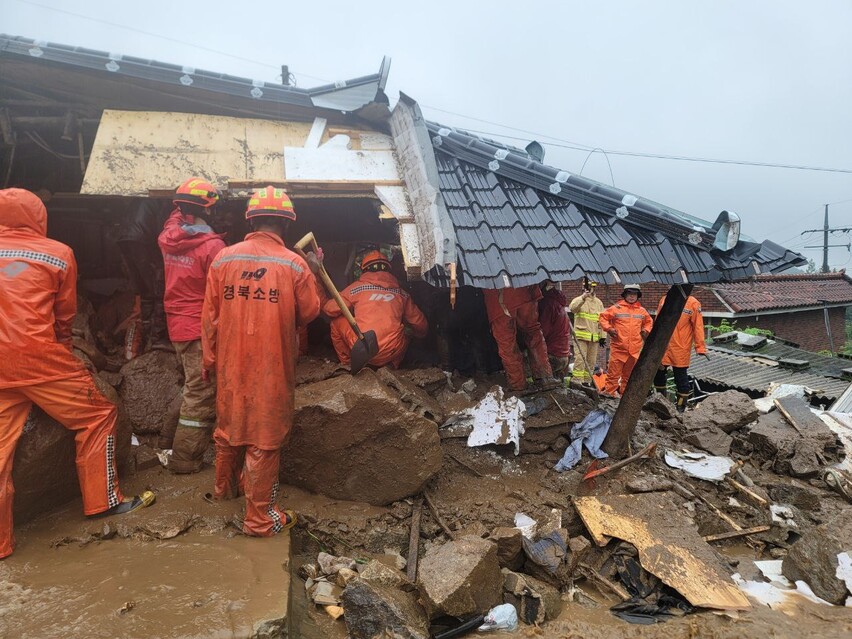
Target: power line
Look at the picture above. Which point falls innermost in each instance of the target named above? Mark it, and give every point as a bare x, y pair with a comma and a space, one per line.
162, 37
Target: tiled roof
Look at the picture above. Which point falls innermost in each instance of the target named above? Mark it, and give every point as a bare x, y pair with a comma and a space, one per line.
755, 375
518, 221
767, 292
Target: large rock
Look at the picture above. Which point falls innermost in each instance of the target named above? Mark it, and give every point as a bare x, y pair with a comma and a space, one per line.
375, 610
813, 558
461, 578
728, 411
535, 600
711, 439
353, 439
45, 472
795, 454
510, 548
151, 383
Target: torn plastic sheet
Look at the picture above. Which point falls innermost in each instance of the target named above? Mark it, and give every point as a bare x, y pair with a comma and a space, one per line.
778, 593
777, 391
706, 467
497, 421
844, 570
783, 514
591, 432
526, 524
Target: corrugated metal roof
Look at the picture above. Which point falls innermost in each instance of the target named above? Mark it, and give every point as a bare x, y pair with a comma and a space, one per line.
747, 374
818, 364
786, 291
519, 222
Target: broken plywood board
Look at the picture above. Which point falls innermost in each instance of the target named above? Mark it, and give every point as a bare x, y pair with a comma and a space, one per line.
669, 546
340, 164
136, 152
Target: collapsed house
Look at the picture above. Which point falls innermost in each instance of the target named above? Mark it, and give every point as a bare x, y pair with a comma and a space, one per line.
98, 135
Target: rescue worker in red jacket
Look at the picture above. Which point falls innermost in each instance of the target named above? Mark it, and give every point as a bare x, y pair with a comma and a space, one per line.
38, 301
628, 325
189, 245
556, 328
259, 293
378, 304
689, 331
510, 310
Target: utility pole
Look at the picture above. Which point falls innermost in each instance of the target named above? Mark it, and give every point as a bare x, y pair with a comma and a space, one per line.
825, 245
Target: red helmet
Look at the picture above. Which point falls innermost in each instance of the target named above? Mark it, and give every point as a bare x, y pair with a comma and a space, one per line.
270, 201
197, 191
373, 257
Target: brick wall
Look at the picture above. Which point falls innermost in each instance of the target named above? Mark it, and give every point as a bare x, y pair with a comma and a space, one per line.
651, 294
805, 328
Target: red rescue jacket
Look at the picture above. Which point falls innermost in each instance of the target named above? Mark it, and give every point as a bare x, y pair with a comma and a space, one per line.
379, 304
188, 249
555, 325
38, 296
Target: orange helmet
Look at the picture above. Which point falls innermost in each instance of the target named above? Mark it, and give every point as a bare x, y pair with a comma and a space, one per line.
197, 191
270, 201
373, 257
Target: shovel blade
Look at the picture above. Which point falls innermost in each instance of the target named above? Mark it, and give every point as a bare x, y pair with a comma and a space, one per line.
363, 350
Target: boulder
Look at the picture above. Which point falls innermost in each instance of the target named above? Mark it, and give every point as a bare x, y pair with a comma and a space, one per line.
813, 559
660, 405
45, 472
711, 439
796, 495
151, 383
352, 439
728, 411
795, 454
383, 574
461, 578
375, 610
535, 600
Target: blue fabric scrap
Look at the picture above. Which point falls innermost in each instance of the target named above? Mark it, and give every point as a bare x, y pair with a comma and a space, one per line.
591, 432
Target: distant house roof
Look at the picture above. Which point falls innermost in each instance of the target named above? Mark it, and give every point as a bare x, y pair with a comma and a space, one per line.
769, 292
518, 221
158, 85
750, 373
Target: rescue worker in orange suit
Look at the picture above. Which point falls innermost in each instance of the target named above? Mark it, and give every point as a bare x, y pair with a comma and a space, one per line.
556, 328
628, 324
189, 246
259, 293
378, 304
689, 331
38, 301
510, 310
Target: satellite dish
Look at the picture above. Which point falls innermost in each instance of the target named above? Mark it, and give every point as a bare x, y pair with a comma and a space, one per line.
536, 151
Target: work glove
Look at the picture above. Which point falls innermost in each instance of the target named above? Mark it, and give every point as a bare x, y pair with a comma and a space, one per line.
612, 332
314, 260
706, 356
644, 334
602, 341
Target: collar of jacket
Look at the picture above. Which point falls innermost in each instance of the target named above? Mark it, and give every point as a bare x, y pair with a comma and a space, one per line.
265, 236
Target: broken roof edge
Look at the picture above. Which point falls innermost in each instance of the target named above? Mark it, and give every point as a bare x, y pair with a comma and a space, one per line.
321, 97
419, 170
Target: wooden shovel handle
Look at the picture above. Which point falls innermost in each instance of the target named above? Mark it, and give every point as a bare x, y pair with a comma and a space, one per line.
309, 239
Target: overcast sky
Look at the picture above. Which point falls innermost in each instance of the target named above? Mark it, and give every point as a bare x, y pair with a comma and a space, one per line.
755, 80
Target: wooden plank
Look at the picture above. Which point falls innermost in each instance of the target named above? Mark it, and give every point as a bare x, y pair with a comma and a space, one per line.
617, 442
736, 533
414, 540
669, 546
437, 516
797, 413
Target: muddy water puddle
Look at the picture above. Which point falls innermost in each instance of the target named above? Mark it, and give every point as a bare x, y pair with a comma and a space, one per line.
205, 582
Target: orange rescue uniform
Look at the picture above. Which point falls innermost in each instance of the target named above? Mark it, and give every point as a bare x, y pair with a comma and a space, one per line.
259, 293
378, 304
510, 309
628, 320
689, 331
38, 301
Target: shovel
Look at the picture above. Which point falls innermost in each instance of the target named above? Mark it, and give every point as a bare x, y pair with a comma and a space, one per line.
366, 347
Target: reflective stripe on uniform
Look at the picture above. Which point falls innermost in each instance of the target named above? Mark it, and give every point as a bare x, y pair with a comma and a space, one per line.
257, 258
193, 423
593, 317
581, 374
587, 336
627, 315
34, 256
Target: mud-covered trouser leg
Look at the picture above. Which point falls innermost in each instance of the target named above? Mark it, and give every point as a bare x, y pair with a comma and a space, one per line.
263, 517
14, 408
614, 371
585, 359
527, 319
504, 330
197, 412
228, 482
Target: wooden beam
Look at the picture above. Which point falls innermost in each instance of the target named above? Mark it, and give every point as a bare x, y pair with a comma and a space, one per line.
617, 442
414, 540
736, 533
